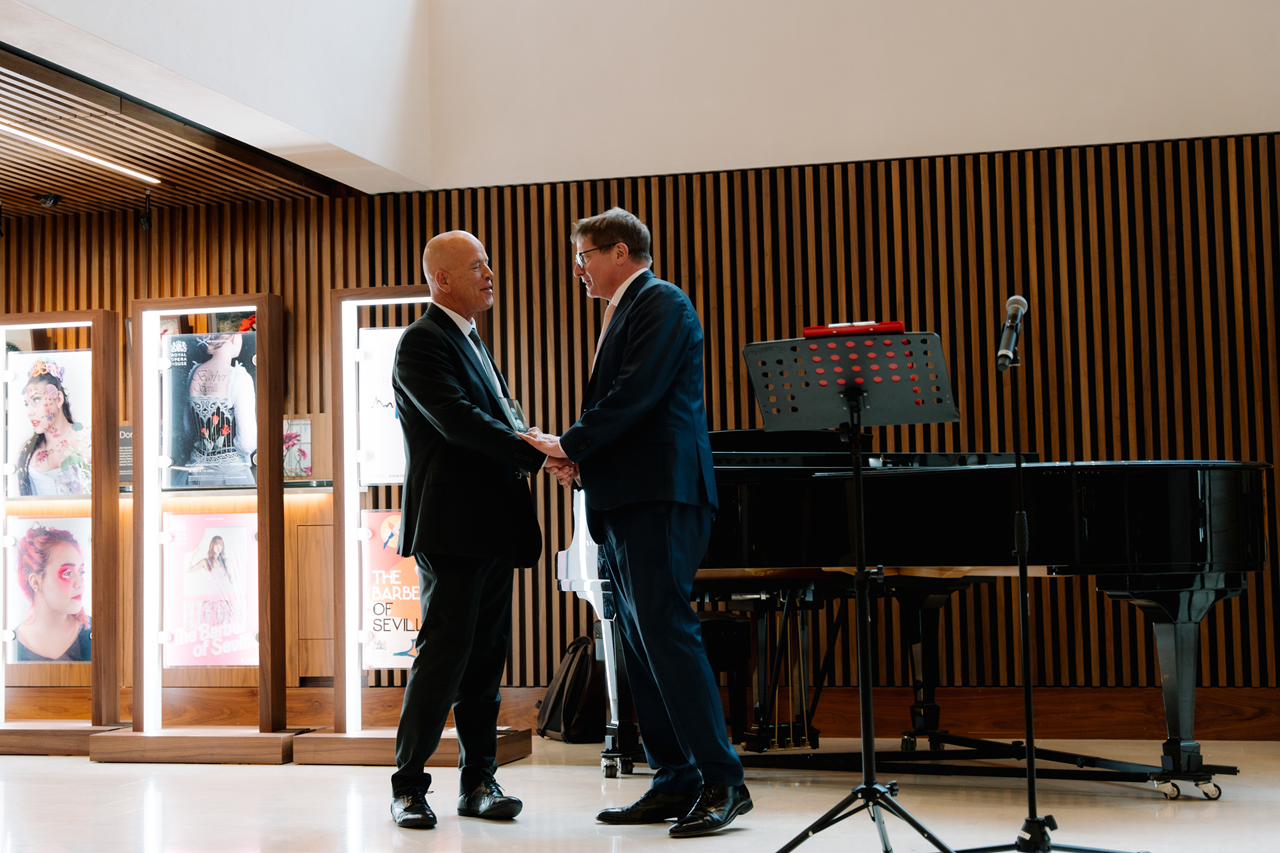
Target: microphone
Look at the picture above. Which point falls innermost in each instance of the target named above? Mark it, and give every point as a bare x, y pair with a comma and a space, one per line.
1016, 308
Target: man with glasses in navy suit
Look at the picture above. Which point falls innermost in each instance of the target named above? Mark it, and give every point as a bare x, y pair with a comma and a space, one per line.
643, 457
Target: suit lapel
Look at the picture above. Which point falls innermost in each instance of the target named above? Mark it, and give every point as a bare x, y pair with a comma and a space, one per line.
619, 320
480, 374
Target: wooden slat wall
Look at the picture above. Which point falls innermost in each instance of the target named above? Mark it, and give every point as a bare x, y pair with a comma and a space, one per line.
1149, 268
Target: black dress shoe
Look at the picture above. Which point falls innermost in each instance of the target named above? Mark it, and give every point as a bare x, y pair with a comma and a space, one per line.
716, 808
411, 811
652, 807
488, 801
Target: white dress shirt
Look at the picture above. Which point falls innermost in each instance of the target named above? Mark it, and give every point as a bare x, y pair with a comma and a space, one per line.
467, 327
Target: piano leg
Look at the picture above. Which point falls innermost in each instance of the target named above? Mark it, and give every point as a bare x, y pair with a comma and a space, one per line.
920, 607
1175, 616
919, 611
1177, 645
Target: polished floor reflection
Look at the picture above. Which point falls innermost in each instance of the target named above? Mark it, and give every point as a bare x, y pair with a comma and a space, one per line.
60, 805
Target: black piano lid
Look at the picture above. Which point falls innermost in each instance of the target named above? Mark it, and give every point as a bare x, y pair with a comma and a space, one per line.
824, 449
1138, 517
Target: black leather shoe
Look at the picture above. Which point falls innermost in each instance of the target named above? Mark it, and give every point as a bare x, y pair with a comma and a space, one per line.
716, 808
411, 811
488, 801
652, 807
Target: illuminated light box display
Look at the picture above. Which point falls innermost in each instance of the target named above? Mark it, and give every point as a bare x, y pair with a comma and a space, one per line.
49, 601
381, 441
50, 432
210, 410
211, 589
392, 611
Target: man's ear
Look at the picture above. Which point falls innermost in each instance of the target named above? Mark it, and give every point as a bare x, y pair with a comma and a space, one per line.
442, 281
621, 253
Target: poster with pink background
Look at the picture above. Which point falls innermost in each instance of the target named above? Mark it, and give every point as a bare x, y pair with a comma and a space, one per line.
211, 589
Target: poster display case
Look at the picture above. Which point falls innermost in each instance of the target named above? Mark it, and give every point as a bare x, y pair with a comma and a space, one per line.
361, 384
208, 585
59, 525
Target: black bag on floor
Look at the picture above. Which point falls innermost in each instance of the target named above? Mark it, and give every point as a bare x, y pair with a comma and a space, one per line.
573, 710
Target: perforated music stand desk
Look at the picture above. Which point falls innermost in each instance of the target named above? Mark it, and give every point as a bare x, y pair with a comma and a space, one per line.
800, 383
848, 382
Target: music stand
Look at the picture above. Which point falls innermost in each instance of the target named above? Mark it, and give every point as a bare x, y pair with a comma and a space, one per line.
847, 382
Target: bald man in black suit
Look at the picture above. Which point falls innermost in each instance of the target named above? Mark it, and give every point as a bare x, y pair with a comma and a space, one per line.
468, 520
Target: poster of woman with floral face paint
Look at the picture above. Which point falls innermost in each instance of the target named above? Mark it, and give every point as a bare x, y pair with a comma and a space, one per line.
50, 397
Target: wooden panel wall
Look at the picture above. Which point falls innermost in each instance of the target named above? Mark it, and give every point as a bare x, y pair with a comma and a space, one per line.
1149, 268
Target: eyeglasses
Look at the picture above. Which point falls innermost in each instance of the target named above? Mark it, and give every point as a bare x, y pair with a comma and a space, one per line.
580, 257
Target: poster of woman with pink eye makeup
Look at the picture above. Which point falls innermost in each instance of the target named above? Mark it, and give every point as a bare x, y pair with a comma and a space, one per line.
50, 442
48, 600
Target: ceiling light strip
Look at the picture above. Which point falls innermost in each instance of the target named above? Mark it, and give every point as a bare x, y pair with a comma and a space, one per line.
58, 146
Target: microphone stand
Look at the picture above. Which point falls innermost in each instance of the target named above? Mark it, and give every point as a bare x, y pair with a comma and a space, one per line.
1034, 837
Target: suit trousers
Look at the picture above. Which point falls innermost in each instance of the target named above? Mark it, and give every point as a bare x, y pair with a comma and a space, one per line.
461, 653
651, 553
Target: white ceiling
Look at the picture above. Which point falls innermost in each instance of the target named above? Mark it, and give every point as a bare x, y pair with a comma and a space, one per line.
402, 95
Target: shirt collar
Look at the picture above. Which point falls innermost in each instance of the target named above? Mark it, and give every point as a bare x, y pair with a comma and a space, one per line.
622, 288
464, 325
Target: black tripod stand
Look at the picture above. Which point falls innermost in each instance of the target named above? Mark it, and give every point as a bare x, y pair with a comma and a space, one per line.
871, 794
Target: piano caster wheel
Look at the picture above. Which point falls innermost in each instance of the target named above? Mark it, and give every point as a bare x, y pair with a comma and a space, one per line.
1170, 790
629, 767
908, 743
610, 767
1210, 790
937, 744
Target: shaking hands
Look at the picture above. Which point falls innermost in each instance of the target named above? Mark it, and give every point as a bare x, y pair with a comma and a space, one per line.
558, 464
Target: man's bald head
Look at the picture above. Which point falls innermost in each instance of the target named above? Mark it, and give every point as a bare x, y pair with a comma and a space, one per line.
458, 272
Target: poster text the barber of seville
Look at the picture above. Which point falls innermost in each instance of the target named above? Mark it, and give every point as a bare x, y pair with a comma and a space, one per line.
391, 611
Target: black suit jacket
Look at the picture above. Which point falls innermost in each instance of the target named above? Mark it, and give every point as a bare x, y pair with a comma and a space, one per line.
465, 491
642, 435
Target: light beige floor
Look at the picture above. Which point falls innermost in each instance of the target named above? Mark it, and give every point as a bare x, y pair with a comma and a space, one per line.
57, 804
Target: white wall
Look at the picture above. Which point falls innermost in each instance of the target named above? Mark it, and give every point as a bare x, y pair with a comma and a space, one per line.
449, 93
601, 89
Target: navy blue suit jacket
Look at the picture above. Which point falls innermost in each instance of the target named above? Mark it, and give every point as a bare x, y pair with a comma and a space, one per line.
465, 491
642, 435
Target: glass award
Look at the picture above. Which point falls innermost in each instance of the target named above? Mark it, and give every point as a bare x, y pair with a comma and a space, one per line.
515, 414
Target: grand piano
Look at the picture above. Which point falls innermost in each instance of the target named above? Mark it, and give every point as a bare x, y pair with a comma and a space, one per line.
1174, 538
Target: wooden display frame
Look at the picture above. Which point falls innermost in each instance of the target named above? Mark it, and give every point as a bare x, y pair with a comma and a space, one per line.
71, 737
349, 742
235, 744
